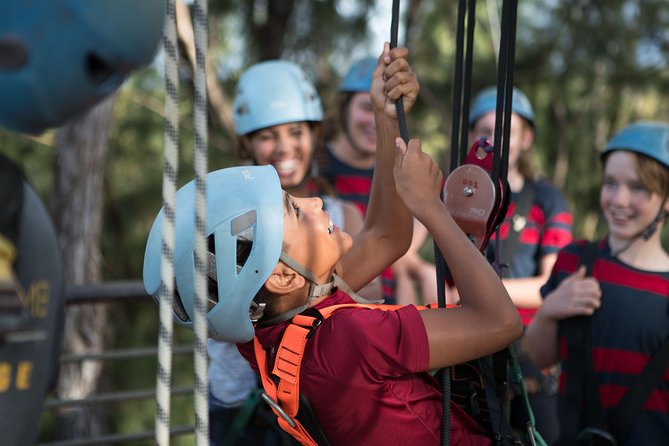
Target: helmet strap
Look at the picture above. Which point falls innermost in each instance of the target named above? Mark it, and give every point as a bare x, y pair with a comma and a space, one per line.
315, 290
646, 233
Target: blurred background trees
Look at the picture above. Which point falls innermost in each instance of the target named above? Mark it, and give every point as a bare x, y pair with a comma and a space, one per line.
588, 66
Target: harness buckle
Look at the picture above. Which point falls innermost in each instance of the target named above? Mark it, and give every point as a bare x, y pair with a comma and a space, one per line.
310, 318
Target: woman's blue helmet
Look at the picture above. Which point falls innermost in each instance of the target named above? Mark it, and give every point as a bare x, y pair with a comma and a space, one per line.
358, 79
272, 93
486, 101
58, 57
648, 138
243, 204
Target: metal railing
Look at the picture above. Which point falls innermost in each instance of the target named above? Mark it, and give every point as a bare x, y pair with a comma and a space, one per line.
119, 293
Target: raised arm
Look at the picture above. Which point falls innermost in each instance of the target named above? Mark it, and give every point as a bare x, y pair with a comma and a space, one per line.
487, 320
387, 231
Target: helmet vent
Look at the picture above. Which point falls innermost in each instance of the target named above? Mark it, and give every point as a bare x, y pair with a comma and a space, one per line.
13, 53
212, 283
178, 306
242, 228
98, 70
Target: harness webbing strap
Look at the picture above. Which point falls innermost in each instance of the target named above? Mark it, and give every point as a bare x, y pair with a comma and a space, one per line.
287, 421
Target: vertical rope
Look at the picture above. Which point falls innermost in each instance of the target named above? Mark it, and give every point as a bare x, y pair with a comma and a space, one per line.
459, 141
399, 105
456, 154
170, 169
467, 84
200, 163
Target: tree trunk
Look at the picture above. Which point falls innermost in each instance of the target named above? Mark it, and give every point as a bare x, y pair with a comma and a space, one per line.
219, 103
81, 153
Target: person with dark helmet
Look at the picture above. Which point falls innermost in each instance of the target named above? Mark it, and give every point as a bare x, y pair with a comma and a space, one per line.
60, 57
537, 224
57, 59
622, 303
276, 259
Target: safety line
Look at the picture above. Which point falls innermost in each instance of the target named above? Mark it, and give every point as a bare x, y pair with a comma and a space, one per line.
200, 163
170, 169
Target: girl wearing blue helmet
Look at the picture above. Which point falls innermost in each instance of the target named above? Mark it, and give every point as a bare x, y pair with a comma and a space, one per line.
274, 255
624, 302
277, 114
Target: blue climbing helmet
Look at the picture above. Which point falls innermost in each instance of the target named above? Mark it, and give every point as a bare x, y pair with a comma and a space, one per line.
244, 204
486, 101
358, 79
58, 57
648, 138
274, 92
245, 234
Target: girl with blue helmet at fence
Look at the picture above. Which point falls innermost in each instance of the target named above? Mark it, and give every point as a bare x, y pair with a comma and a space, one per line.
277, 114
617, 288
275, 257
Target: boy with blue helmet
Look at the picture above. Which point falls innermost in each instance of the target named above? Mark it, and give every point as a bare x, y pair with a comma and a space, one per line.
366, 365
624, 301
538, 223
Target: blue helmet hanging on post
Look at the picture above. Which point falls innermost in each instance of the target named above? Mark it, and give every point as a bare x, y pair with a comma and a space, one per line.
648, 138
272, 93
242, 203
59, 57
486, 101
358, 79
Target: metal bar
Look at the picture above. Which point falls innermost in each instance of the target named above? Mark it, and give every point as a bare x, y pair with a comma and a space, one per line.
129, 353
112, 397
110, 292
118, 438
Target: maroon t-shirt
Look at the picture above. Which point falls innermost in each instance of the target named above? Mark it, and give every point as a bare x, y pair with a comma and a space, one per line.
364, 374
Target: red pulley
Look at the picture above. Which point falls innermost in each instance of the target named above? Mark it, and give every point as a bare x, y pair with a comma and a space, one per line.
470, 195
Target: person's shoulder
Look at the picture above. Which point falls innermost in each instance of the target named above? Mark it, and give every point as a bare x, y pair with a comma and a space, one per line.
549, 196
544, 187
577, 248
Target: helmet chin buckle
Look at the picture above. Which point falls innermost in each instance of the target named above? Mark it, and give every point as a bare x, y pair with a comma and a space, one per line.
256, 311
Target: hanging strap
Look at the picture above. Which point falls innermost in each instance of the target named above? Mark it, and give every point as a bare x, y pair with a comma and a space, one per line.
630, 405
284, 398
582, 390
519, 220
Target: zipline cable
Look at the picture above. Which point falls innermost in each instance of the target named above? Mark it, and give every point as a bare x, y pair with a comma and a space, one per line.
170, 169
200, 325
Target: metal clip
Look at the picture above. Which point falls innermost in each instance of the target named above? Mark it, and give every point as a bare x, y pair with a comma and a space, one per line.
273, 404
